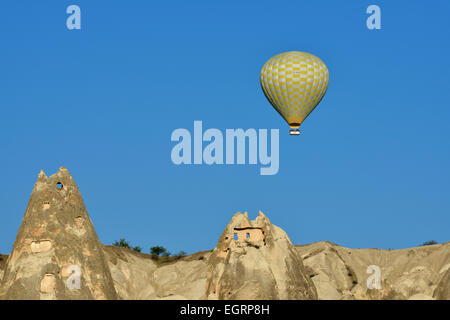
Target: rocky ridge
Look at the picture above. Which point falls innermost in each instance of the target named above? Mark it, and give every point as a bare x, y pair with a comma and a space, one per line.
253, 259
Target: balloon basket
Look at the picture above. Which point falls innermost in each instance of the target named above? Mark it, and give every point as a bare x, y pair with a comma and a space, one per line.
294, 132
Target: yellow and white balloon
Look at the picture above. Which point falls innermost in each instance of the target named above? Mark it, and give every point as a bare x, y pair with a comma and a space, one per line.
294, 82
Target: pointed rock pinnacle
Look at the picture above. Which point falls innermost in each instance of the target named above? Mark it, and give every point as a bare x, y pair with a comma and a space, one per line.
57, 253
256, 260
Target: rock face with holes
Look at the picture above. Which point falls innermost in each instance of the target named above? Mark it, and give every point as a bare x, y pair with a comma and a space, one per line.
256, 260
57, 253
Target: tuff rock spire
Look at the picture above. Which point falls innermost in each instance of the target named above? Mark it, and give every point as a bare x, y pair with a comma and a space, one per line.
57, 253
256, 260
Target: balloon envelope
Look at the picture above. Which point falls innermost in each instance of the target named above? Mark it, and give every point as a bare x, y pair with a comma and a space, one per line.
294, 83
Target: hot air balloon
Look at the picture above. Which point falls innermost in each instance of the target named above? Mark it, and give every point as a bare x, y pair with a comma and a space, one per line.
294, 83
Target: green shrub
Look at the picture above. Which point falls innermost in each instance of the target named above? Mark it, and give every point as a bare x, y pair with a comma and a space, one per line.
121, 243
181, 254
124, 244
159, 251
429, 243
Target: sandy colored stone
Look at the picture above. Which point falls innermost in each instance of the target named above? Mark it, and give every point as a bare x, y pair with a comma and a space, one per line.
41, 246
442, 291
56, 232
131, 272
405, 273
252, 260
137, 276
3, 259
337, 274
256, 260
48, 283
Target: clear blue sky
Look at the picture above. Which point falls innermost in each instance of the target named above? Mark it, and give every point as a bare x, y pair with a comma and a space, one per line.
371, 168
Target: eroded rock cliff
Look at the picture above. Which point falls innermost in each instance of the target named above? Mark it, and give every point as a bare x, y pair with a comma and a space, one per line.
57, 253
57, 244
337, 273
256, 260
442, 291
342, 273
138, 276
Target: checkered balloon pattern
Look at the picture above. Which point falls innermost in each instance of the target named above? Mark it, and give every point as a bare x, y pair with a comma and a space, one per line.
294, 83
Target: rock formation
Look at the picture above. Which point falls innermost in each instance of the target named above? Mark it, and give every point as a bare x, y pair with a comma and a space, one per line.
138, 276
337, 272
2, 265
342, 273
256, 260
57, 253
442, 291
